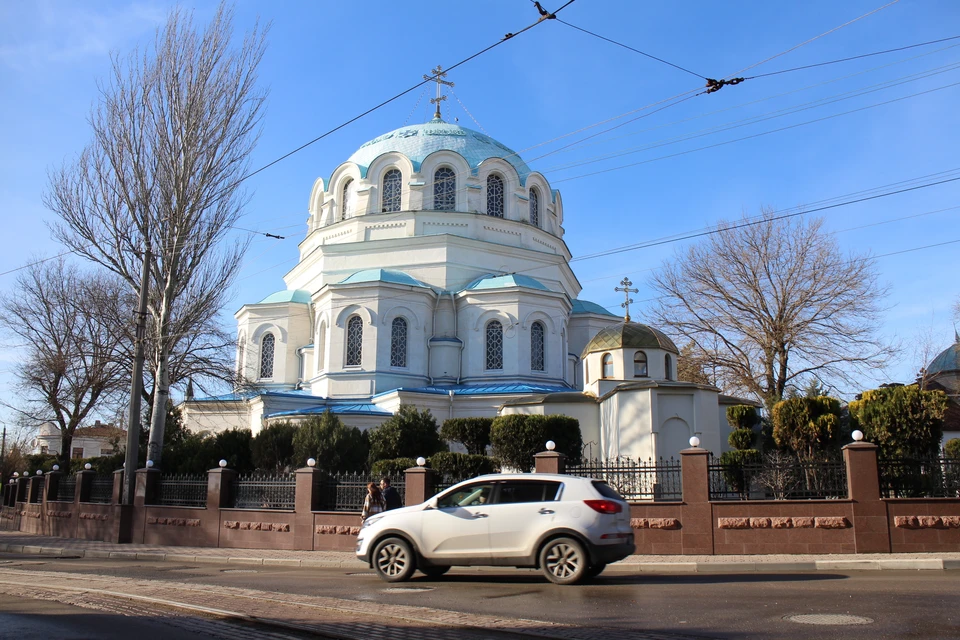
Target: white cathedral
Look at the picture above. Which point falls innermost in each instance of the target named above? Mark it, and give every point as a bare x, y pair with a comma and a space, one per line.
434, 273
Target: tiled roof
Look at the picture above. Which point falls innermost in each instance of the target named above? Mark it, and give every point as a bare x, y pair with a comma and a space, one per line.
585, 306
491, 281
629, 335
947, 360
383, 275
300, 296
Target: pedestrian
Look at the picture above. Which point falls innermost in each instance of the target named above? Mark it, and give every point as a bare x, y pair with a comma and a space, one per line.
390, 495
373, 503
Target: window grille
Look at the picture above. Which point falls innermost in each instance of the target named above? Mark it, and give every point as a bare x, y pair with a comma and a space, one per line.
534, 207
495, 196
607, 363
354, 341
444, 189
346, 200
639, 365
668, 367
390, 198
494, 343
398, 343
536, 347
266, 355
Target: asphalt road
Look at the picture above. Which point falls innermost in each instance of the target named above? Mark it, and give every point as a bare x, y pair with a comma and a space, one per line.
889, 604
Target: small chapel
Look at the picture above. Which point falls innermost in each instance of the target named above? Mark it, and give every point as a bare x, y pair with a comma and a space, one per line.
434, 273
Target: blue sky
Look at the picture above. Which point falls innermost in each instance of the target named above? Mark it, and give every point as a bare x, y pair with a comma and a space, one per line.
327, 62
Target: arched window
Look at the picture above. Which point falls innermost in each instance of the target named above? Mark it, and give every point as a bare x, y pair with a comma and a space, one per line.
321, 346
494, 360
398, 343
267, 346
536, 347
354, 341
241, 365
390, 198
607, 362
444, 189
668, 367
535, 207
639, 365
346, 200
494, 195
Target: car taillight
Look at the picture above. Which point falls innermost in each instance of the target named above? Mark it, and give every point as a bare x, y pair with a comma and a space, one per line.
604, 506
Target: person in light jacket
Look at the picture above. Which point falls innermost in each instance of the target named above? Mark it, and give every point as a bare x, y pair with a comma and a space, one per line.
373, 503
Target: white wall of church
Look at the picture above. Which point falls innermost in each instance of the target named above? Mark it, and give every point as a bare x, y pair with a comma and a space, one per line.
289, 324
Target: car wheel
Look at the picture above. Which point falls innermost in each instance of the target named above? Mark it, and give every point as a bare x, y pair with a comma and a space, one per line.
563, 561
393, 560
595, 570
434, 572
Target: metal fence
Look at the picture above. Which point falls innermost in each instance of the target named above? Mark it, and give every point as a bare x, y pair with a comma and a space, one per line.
791, 480
259, 491
182, 490
67, 488
101, 489
346, 491
635, 480
919, 478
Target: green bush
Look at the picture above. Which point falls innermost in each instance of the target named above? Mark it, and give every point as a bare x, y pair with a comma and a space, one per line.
272, 448
393, 468
517, 438
903, 421
952, 448
41, 461
410, 433
461, 466
733, 463
472, 433
336, 447
742, 416
810, 427
234, 446
741, 439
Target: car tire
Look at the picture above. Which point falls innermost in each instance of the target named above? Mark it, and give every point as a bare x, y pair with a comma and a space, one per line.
563, 561
595, 570
393, 560
434, 572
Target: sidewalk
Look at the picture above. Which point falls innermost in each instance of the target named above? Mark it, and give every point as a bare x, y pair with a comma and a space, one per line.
16, 542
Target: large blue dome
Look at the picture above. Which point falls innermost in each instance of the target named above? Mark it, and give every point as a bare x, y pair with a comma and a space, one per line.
416, 142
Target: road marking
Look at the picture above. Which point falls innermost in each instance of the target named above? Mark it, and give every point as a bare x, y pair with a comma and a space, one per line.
829, 619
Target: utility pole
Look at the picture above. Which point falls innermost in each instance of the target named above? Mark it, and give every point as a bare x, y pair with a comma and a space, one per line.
3, 449
136, 387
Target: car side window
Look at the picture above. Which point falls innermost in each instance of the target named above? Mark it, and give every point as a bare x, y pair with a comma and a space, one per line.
471, 495
515, 492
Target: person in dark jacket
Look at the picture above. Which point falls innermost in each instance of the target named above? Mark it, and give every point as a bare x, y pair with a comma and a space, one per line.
391, 495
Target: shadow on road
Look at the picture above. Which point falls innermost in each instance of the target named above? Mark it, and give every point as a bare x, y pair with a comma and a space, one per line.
648, 578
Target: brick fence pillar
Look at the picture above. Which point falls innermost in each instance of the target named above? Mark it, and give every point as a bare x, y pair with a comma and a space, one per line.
696, 514
419, 485
36, 489
116, 496
306, 502
52, 490
871, 528
84, 485
148, 487
220, 488
23, 489
549, 462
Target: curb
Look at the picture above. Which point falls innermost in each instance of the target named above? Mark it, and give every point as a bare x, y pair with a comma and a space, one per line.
892, 564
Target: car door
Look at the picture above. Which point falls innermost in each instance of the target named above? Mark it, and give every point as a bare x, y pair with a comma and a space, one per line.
457, 530
523, 510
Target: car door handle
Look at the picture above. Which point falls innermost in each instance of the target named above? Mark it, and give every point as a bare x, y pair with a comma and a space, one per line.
546, 511
479, 515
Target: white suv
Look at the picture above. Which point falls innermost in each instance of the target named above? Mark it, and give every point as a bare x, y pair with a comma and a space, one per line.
569, 527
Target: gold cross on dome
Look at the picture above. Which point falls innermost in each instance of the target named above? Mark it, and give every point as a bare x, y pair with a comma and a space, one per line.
627, 300
438, 76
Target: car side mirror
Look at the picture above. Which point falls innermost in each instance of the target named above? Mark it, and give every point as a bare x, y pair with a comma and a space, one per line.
430, 504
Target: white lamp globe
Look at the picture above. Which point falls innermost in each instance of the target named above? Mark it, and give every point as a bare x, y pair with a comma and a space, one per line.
56, 467
551, 445
16, 474
88, 466
39, 472
223, 464
421, 461
311, 462
857, 435
149, 464
694, 442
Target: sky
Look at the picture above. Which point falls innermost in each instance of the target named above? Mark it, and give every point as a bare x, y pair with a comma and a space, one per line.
594, 117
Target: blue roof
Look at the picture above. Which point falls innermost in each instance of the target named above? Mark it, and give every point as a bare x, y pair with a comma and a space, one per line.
383, 275
416, 142
491, 281
584, 306
359, 408
251, 393
288, 295
483, 389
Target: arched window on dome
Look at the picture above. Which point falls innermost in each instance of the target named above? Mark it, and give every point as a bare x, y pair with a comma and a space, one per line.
346, 200
535, 207
444, 189
390, 196
494, 195
321, 346
494, 346
354, 342
267, 347
668, 367
398, 343
640, 365
606, 366
537, 360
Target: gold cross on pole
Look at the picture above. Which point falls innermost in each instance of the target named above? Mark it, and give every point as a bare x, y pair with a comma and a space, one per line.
627, 300
438, 76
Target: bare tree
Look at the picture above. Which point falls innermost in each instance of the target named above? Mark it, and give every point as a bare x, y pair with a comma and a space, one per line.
774, 303
71, 363
172, 134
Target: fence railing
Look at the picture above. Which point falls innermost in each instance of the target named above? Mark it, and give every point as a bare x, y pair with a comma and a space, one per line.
794, 480
265, 491
657, 480
67, 488
919, 478
181, 490
346, 491
101, 489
